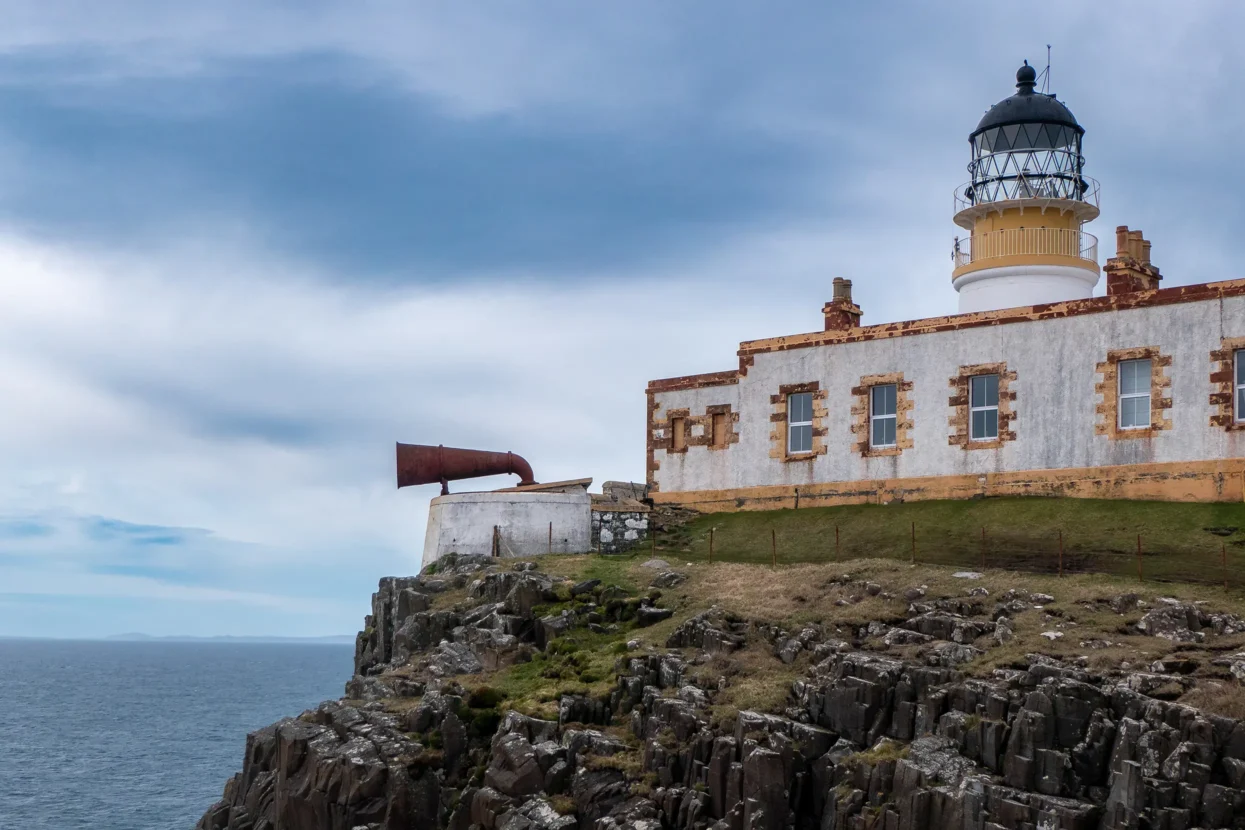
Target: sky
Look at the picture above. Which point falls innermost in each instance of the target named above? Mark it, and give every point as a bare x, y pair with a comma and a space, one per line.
246, 246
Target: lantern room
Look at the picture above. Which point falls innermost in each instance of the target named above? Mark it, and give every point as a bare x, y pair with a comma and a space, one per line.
1025, 206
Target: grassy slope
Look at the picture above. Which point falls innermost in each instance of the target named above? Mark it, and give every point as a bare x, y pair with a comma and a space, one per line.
1021, 533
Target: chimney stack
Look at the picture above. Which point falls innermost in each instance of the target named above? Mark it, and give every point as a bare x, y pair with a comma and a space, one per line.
1130, 269
841, 313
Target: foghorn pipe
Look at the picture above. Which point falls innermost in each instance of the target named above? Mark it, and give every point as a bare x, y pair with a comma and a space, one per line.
426, 464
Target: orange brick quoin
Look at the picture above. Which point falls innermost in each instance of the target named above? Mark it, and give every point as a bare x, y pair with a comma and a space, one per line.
903, 412
1222, 382
960, 412
661, 436
1108, 409
778, 437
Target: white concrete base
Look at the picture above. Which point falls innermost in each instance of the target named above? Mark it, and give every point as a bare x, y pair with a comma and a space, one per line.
1010, 286
463, 523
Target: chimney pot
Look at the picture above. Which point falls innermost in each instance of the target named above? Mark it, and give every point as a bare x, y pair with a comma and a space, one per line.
841, 313
1130, 269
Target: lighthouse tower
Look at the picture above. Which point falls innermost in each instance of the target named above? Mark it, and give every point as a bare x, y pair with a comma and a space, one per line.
1025, 207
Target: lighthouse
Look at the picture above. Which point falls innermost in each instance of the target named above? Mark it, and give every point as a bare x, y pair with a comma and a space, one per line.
1025, 207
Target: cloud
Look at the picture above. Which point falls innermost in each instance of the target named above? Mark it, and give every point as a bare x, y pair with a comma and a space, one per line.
243, 249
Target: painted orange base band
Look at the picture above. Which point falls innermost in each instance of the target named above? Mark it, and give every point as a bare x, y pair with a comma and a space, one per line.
1202, 481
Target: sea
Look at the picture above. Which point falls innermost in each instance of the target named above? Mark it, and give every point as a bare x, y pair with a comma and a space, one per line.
142, 735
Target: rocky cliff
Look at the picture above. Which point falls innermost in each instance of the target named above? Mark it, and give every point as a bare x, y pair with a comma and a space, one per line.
600, 694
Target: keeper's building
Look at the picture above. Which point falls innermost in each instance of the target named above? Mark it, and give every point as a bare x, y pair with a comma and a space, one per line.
1035, 387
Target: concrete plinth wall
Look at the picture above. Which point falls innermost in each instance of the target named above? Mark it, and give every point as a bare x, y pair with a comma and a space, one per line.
463, 523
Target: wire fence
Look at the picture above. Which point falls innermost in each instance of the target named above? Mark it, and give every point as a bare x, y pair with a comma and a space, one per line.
1209, 559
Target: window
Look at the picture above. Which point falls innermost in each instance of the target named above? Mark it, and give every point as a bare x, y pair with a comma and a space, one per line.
719, 433
983, 407
678, 433
1239, 385
1134, 394
800, 423
882, 418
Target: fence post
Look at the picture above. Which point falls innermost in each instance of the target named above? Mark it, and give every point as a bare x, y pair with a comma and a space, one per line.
496, 540
1061, 551
710, 546
551, 537
1140, 575
914, 543
836, 541
773, 548
983, 548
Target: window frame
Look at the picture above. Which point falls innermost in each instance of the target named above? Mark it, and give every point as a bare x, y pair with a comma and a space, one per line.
1238, 386
1122, 396
719, 430
973, 438
678, 433
893, 416
791, 425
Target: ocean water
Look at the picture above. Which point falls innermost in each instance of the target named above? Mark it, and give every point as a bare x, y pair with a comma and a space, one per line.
141, 736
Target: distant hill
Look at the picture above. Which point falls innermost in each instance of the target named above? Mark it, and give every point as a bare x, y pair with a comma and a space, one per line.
137, 637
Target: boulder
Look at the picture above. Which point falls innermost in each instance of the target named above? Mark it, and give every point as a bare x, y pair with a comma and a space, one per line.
668, 579
514, 769
647, 615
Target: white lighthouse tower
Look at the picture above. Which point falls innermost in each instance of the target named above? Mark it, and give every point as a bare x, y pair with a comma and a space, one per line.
1025, 207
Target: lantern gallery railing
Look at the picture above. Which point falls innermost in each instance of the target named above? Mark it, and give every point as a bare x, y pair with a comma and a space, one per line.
1022, 186
1022, 241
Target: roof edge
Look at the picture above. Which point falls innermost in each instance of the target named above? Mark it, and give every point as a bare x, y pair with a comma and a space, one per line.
1019, 314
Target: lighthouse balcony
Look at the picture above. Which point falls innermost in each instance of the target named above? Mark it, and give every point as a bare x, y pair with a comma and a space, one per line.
1058, 192
1025, 246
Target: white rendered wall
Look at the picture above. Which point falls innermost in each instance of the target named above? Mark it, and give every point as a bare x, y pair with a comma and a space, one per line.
1010, 286
1055, 400
463, 523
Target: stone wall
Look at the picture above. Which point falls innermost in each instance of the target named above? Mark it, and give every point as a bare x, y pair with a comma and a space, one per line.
617, 531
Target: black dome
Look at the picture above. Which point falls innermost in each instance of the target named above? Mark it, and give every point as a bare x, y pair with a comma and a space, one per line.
1027, 107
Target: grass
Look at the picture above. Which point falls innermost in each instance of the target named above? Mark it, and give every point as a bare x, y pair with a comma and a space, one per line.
884, 750
611, 570
755, 681
578, 663
1021, 533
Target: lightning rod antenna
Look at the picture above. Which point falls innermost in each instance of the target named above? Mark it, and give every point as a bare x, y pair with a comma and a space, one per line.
1046, 85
